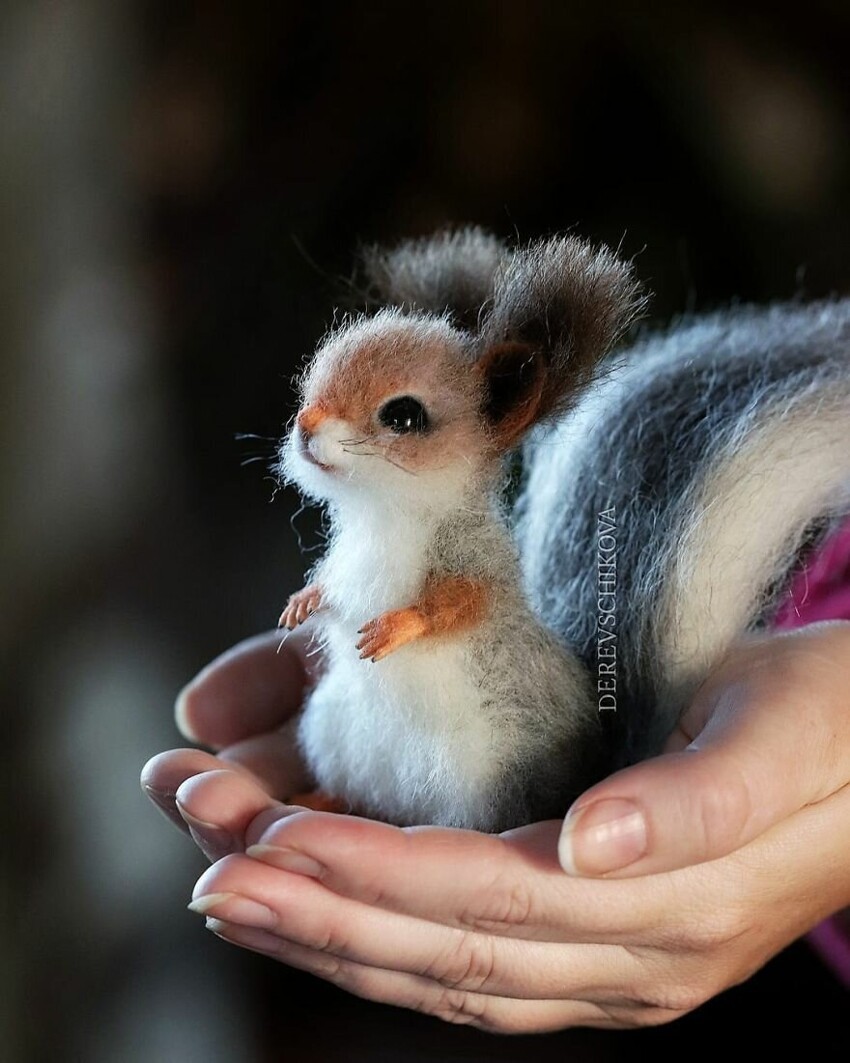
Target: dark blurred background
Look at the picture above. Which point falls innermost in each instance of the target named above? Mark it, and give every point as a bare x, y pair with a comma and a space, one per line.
183, 189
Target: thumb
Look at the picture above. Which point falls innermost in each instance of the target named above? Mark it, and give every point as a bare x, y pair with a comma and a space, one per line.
768, 733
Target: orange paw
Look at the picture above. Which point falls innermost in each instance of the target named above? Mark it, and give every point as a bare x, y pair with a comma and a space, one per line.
301, 605
389, 632
319, 801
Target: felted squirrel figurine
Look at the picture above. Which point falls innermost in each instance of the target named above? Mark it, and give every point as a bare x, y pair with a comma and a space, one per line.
443, 698
714, 455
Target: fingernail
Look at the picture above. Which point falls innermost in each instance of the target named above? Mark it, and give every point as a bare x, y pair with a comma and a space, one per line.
209, 834
233, 908
180, 713
603, 836
286, 859
166, 804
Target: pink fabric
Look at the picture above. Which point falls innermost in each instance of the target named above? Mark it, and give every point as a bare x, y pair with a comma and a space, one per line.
821, 591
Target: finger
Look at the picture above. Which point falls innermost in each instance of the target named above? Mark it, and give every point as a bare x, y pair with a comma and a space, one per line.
510, 885
218, 806
301, 909
495, 1014
270, 762
274, 759
164, 774
768, 735
252, 688
214, 799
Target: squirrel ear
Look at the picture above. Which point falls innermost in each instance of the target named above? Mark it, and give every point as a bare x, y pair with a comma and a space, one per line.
513, 377
451, 271
566, 303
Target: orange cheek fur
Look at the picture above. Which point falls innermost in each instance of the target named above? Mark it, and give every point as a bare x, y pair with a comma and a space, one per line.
445, 446
352, 385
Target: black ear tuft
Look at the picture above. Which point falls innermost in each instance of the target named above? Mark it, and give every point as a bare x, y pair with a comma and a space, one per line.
513, 377
451, 271
568, 303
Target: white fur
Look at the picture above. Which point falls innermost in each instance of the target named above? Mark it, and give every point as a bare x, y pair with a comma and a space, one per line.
362, 481
723, 448
736, 536
435, 731
405, 736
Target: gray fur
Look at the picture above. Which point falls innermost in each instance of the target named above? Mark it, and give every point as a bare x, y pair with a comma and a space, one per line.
450, 271
721, 448
553, 754
646, 440
492, 725
561, 299
567, 300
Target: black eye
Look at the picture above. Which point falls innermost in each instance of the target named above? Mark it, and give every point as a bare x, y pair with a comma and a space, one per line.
404, 415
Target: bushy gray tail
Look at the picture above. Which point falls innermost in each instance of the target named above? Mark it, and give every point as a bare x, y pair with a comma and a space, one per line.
711, 456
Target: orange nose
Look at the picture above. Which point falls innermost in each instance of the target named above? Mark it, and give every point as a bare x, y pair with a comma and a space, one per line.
309, 419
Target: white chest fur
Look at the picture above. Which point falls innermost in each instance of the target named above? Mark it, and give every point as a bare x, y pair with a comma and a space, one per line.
407, 736
377, 562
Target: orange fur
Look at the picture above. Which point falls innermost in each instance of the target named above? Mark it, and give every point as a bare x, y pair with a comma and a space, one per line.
354, 374
319, 801
309, 419
446, 606
453, 604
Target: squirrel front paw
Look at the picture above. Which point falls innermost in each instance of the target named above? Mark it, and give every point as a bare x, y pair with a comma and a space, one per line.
301, 605
389, 632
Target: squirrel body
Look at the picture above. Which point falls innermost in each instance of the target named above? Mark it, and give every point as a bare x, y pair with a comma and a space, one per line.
442, 695
457, 727
461, 687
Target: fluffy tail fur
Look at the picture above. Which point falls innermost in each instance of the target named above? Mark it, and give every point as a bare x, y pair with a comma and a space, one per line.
714, 455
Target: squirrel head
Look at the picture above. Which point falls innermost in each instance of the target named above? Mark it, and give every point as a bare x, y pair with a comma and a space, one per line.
474, 344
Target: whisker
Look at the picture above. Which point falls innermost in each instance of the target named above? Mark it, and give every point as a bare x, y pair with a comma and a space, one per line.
356, 442
378, 454
278, 486
301, 545
409, 472
316, 645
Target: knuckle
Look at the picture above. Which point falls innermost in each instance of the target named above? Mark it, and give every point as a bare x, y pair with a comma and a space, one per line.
714, 930
505, 1021
667, 1001
508, 904
331, 940
467, 965
649, 1016
724, 805
512, 1018
331, 968
670, 989
353, 979
466, 1009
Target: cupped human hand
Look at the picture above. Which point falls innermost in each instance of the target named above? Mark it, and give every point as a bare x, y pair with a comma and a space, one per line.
684, 873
